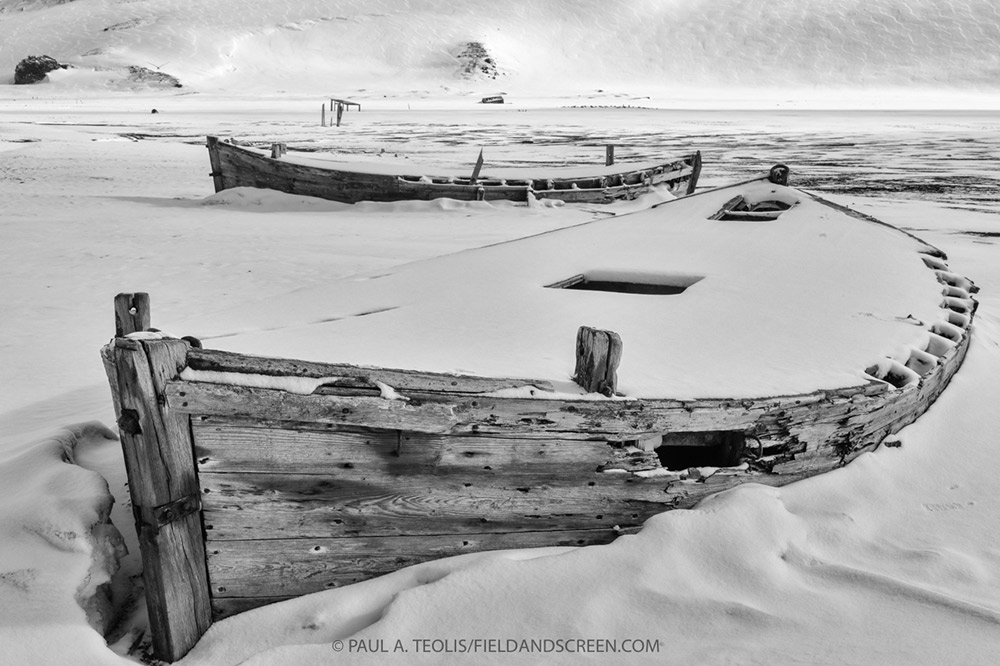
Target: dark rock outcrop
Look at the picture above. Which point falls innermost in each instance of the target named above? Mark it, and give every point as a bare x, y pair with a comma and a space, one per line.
152, 78
35, 68
476, 62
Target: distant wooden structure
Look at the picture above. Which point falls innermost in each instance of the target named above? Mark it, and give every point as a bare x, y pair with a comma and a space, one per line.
347, 104
312, 475
337, 109
492, 99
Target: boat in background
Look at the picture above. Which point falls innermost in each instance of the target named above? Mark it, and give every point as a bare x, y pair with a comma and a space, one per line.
351, 182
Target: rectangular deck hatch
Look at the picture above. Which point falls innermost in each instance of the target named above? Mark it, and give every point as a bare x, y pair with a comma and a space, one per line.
658, 284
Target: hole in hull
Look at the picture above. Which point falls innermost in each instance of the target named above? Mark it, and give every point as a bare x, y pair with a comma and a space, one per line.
716, 448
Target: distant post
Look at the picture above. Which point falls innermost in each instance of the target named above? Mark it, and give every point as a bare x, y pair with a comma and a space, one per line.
609, 155
340, 112
598, 354
322, 115
476, 169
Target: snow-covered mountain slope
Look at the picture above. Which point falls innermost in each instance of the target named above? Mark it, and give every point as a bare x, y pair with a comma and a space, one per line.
685, 47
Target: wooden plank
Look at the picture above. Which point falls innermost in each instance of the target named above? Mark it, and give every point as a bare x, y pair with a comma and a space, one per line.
131, 313
221, 361
692, 182
291, 567
224, 446
228, 606
598, 354
477, 168
159, 471
213, 156
175, 577
160, 465
727, 207
361, 501
593, 419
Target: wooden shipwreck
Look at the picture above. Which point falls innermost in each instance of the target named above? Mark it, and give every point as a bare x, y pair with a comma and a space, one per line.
255, 479
351, 182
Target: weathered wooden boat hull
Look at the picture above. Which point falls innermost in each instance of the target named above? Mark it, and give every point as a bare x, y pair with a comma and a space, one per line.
236, 166
257, 479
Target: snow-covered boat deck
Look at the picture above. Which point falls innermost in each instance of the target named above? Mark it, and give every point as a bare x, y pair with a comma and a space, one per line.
798, 300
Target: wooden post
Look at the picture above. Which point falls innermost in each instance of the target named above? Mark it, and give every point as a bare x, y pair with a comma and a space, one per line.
340, 112
598, 354
322, 115
163, 482
213, 156
609, 155
695, 172
278, 149
131, 313
476, 169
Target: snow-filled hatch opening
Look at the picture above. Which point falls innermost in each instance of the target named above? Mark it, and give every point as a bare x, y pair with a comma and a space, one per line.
658, 284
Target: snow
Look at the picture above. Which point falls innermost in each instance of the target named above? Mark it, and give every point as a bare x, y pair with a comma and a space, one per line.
740, 332
892, 560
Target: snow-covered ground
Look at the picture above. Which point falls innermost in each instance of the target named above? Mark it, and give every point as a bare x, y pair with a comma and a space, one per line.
894, 559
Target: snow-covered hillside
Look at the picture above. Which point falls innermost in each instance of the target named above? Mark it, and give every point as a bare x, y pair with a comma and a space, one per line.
678, 50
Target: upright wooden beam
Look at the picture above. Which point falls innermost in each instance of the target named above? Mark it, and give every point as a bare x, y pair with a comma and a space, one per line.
695, 172
598, 354
609, 155
476, 169
163, 483
131, 313
216, 161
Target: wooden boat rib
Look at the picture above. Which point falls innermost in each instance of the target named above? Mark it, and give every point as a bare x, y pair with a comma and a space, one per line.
238, 166
255, 479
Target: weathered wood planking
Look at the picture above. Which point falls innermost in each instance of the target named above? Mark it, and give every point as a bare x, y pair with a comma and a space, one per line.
163, 485
291, 567
353, 375
131, 313
262, 506
246, 445
598, 354
338, 483
458, 414
235, 166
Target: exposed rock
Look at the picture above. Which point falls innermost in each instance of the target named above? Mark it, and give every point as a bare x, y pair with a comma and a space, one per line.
144, 75
475, 62
13, 6
34, 69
